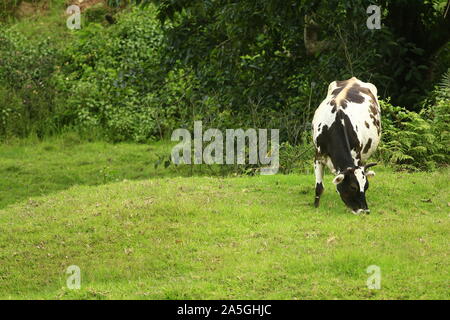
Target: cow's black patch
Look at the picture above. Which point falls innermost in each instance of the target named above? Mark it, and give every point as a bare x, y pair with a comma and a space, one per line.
367, 124
350, 192
369, 93
376, 123
333, 143
373, 109
333, 104
342, 83
337, 91
368, 145
319, 191
333, 110
353, 94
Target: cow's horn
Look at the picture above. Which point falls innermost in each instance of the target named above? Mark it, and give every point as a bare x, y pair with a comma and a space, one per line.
367, 166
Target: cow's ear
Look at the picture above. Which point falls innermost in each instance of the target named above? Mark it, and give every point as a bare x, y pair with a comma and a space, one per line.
338, 179
370, 174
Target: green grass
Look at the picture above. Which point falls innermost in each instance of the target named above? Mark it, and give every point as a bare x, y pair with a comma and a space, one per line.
31, 168
168, 237
49, 24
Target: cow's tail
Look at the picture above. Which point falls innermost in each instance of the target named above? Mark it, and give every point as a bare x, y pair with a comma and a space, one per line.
340, 117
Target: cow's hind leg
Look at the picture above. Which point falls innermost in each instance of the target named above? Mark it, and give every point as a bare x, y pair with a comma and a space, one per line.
318, 172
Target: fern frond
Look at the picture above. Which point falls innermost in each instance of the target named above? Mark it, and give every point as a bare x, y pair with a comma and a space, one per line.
445, 83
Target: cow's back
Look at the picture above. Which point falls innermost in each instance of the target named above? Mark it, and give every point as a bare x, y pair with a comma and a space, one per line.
355, 104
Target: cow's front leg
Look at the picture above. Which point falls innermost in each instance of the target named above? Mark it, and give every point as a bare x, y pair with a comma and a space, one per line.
318, 172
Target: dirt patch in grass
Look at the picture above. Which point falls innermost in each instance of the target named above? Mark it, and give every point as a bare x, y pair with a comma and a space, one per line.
86, 4
29, 9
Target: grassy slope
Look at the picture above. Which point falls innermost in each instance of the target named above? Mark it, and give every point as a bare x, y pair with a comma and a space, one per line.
50, 24
200, 237
32, 169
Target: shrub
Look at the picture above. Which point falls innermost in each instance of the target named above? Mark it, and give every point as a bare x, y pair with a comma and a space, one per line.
26, 70
11, 109
296, 158
114, 78
415, 141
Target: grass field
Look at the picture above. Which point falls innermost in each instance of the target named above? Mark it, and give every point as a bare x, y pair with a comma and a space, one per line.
30, 168
146, 233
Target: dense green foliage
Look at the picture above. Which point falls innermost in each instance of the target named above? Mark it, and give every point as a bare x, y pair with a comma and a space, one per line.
255, 49
416, 141
110, 74
26, 89
231, 65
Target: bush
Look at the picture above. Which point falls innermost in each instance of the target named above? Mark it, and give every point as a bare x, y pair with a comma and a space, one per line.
297, 158
114, 78
415, 141
11, 109
27, 90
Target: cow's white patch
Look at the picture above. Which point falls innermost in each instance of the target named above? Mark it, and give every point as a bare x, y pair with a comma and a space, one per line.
330, 165
359, 211
355, 160
359, 174
359, 114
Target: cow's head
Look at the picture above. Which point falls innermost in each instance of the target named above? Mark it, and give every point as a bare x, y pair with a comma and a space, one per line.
352, 185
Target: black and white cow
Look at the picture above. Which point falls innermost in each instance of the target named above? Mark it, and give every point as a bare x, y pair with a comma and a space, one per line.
346, 131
